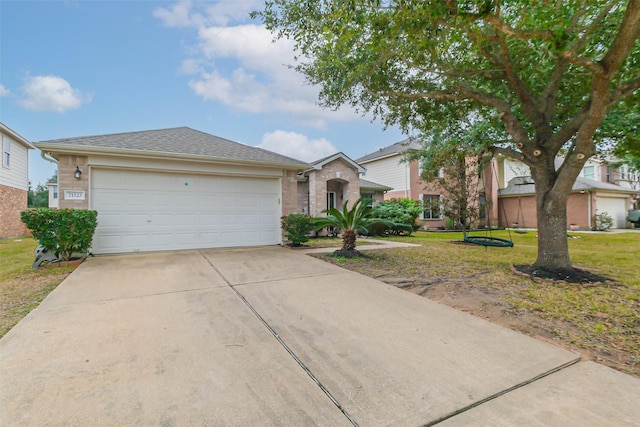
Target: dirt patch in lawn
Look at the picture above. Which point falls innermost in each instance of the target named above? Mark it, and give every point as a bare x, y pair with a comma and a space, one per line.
490, 304
597, 320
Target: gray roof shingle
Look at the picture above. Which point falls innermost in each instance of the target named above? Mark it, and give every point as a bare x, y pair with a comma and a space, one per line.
182, 141
369, 185
390, 150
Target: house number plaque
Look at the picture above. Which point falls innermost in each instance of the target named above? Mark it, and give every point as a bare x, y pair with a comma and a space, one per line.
73, 195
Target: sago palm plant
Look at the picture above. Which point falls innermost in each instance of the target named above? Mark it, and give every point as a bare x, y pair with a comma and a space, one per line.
350, 221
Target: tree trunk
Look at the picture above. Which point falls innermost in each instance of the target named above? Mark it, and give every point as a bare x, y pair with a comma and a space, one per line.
348, 240
553, 247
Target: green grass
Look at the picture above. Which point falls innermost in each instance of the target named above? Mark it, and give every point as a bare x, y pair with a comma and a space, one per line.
21, 288
604, 317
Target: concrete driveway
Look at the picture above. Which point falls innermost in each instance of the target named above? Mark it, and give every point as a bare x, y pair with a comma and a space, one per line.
270, 336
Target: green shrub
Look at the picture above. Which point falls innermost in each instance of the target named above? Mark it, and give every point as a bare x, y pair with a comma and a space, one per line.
604, 222
62, 231
296, 227
401, 215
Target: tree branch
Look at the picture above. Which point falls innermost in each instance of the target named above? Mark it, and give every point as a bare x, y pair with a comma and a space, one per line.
519, 34
625, 90
511, 153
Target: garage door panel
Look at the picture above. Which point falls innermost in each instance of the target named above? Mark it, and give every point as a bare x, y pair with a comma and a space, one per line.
146, 211
615, 207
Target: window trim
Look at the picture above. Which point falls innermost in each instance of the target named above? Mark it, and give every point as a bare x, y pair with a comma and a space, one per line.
423, 199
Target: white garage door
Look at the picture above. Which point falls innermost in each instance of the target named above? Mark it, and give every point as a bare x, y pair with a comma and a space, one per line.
151, 211
615, 207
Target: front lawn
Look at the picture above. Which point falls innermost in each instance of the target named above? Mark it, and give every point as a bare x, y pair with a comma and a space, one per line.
602, 322
21, 288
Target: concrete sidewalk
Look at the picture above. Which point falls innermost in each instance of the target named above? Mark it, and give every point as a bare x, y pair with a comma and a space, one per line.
269, 336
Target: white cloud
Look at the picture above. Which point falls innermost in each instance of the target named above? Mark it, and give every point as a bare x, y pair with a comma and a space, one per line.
297, 145
51, 93
240, 67
4, 91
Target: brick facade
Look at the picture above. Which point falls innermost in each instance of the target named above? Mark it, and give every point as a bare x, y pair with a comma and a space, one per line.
337, 176
523, 210
12, 202
66, 181
289, 192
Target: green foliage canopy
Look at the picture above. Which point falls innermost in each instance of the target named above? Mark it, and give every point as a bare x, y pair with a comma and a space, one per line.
539, 77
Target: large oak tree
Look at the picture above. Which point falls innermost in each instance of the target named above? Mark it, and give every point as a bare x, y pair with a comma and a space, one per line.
547, 75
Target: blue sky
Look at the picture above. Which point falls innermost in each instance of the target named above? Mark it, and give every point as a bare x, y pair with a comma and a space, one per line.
75, 68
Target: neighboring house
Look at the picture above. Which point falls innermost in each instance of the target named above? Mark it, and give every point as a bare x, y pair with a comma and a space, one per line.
387, 166
507, 193
181, 188
333, 180
52, 186
175, 188
14, 181
595, 191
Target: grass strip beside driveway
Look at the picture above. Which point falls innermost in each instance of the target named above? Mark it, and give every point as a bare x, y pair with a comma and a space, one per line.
22, 288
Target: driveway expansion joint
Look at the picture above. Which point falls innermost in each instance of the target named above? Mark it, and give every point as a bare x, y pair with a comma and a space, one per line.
284, 345
504, 392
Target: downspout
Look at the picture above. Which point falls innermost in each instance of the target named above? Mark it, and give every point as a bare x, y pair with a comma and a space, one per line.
406, 180
589, 209
44, 154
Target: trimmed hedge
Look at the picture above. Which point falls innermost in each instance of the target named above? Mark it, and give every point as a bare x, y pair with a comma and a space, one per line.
62, 231
400, 215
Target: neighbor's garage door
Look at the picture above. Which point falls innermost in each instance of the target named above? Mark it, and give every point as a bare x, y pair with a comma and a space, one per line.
615, 207
151, 211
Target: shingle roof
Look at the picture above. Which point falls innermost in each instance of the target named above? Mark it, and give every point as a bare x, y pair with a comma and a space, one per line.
182, 141
317, 164
368, 185
524, 185
397, 148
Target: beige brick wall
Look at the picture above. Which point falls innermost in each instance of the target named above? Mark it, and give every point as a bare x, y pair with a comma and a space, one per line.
12, 202
66, 181
303, 197
289, 192
337, 176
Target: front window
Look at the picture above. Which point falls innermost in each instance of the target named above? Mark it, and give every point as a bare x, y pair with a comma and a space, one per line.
589, 172
367, 199
55, 191
432, 207
6, 152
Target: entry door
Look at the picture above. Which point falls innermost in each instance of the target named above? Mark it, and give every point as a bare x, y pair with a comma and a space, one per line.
331, 200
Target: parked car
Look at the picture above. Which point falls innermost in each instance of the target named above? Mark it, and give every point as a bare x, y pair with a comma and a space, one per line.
634, 218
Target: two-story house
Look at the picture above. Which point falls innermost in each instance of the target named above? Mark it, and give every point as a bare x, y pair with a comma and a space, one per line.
389, 167
14, 181
598, 189
507, 192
